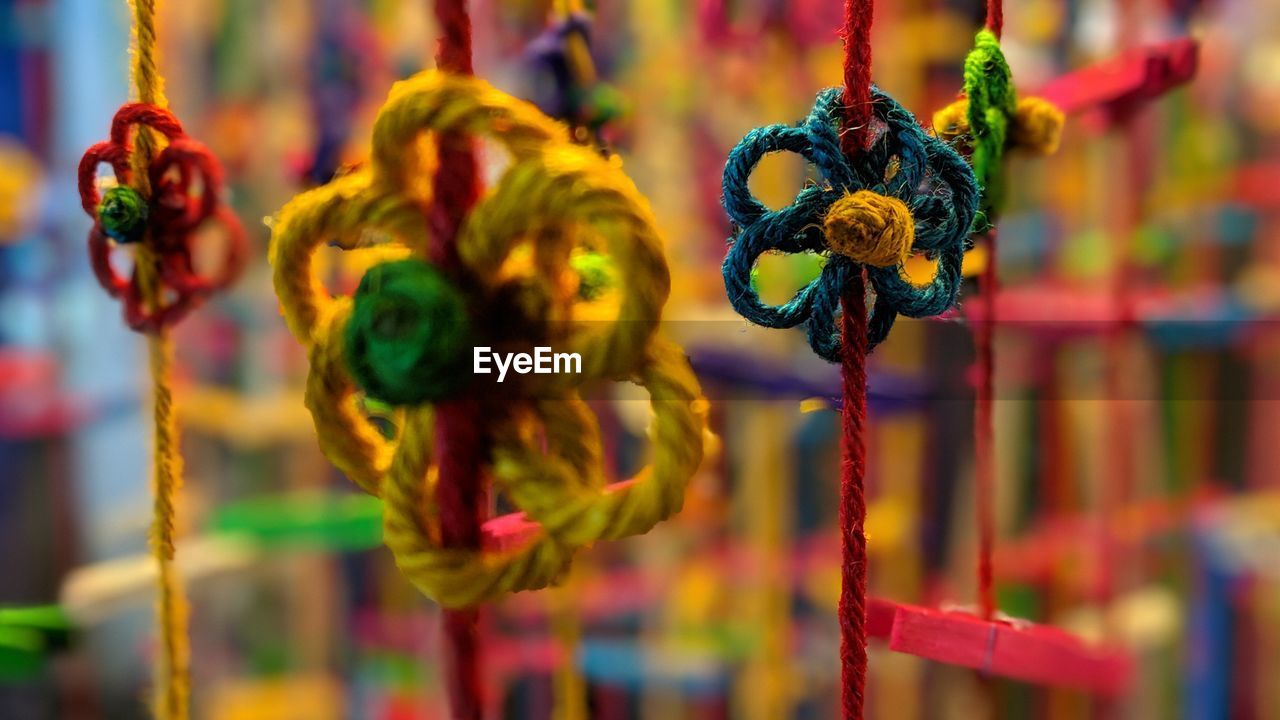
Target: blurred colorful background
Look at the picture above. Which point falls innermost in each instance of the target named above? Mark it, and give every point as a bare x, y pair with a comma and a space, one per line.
1137, 396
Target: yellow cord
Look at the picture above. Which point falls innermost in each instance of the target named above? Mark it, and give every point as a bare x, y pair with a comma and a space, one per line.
172, 678
546, 453
570, 691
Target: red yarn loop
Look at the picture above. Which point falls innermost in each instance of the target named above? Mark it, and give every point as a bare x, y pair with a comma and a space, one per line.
185, 182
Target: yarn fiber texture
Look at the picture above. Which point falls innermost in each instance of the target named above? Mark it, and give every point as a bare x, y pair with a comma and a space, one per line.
164, 285
546, 452
123, 214
902, 162
990, 119
408, 336
870, 228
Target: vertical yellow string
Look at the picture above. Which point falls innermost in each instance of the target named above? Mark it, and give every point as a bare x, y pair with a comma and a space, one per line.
570, 693
172, 669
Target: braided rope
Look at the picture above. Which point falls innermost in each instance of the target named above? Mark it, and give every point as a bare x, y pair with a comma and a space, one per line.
153, 206
546, 452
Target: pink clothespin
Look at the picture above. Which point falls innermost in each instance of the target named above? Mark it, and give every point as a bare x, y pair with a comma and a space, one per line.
1038, 654
1114, 88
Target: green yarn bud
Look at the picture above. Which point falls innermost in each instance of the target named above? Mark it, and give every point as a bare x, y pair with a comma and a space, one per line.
595, 273
988, 83
406, 342
123, 214
605, 104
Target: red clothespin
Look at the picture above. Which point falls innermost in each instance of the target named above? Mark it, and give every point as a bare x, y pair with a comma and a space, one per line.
1114, 88
1028, 652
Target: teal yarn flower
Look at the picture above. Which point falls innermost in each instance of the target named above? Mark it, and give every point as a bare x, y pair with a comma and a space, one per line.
912, 171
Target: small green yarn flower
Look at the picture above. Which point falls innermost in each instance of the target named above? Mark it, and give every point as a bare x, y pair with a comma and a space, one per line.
595, 273
407, 337
993, 105
123, 214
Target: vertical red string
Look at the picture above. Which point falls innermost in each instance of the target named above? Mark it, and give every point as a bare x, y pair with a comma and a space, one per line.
984, 420
460, 491
853, 371
857, 75
853, 504
984, 433
995, 17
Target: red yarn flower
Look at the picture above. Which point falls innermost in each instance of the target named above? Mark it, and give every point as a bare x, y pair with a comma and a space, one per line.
185, 181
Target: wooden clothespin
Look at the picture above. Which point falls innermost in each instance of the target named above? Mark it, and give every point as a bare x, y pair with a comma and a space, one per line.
1115, 88
1029, 652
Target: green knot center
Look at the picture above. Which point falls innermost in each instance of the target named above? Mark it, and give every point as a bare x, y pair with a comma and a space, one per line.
406, 341
596, 274
123, 214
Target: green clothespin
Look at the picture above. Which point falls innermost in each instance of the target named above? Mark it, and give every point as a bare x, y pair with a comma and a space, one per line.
28, 638
318, 520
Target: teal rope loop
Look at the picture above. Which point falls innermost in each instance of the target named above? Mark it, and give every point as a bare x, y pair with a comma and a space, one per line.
903, 162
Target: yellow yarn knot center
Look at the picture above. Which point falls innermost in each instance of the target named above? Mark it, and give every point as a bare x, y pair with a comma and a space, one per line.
870, 228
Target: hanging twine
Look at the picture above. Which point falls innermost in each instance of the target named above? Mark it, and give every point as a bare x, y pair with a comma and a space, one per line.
889, 242
995, 17
154, 208
988, 121
888, 190
173, 672
460, 490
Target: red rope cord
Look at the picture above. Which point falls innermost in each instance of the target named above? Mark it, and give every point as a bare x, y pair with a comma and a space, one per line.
857, 75
853, 504
995, 16
983, 421
984, 433
853, 371
460, 491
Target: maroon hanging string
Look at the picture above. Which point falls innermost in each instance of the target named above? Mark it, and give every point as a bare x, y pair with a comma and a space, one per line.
853, 370
984, 420
984, 433
995, 17
460, 491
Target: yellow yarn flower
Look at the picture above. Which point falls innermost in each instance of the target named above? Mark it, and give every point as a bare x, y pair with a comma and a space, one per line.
554, 201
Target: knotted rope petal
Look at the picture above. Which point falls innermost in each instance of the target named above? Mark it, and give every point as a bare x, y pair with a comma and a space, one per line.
907, 192
410, 321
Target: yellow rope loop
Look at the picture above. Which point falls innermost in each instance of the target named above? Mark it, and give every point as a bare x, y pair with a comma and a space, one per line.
571, 187
952, 121
454, 578
352, 211
573, 435
554, 198
346, 436
542, 484
441, 103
